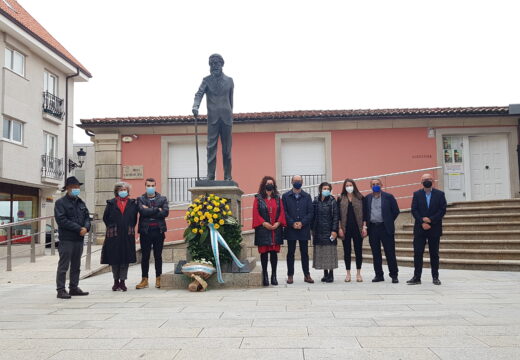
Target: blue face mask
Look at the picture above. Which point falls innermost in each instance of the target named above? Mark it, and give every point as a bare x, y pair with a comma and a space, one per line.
150, 190
297, 185
122, 194
376, 188
75, 192
325, 193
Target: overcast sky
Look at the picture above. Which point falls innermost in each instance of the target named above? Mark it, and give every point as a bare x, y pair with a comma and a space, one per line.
148, 57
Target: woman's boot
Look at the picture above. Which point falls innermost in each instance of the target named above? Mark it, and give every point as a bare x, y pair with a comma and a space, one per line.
330, 278
265, 276
325, 275
274, 264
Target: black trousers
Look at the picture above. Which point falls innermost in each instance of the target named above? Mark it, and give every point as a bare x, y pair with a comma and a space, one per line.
225, 133
120, 271
378, 235
358, 249
70, 256
154, 239
419, 243
304, 252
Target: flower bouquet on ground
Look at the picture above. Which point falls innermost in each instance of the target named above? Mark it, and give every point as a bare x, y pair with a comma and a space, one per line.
211, 229
199, 271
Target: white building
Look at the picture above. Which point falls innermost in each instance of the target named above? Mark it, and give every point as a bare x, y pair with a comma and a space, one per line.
36, 106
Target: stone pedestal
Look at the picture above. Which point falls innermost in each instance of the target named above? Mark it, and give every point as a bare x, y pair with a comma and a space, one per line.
231, 192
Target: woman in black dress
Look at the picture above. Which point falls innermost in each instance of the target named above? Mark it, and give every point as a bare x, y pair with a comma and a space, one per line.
352, 226
120, 219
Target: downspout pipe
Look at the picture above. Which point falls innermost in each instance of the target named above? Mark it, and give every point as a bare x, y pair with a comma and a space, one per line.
66, 162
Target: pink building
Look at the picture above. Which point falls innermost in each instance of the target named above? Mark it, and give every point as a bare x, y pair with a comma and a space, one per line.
475, 150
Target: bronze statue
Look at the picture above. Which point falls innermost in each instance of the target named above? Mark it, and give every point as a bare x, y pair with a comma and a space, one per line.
219, 98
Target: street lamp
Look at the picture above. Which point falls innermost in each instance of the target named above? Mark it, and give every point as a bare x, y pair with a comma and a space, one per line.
81, 159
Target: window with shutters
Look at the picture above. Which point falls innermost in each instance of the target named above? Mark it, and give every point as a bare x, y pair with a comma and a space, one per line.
182, 169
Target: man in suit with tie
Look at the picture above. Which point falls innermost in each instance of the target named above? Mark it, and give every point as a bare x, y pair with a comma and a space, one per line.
428, 209
219, 98
381, 210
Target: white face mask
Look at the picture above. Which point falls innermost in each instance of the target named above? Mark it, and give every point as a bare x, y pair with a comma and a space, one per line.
350, 189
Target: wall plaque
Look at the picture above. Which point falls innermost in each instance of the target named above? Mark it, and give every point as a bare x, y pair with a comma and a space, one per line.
133, 172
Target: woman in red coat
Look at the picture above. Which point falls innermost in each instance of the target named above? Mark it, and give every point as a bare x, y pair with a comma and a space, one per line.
268, 221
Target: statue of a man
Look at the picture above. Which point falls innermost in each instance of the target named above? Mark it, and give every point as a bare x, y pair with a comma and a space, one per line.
219, 98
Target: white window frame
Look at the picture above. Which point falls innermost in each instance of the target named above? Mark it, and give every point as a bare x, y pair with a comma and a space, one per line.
9, 136
47, 136
9, 63
46, 76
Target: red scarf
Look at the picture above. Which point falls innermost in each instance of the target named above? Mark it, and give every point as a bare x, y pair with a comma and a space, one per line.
121, 203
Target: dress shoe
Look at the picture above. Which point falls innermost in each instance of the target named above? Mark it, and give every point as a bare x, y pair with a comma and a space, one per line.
378, 279
395, 280
325, 275
359, 278
63, 294
122, 285
308, 279
77, 292
274, 281
143, 284
436, 281
265, 278
414, 281
290, 280
115, 287
158, 282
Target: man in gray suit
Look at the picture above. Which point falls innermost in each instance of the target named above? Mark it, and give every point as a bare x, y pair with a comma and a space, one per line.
219, 98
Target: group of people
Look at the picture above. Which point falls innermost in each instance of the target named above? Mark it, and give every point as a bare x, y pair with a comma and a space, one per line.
350, 217
120, 218
292, 216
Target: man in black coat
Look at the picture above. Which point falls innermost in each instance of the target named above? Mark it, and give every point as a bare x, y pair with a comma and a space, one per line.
381, 210
299, 214
153, 211
73, 221
428, 209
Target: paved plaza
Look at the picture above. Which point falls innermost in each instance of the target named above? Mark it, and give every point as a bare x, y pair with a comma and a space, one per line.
473, 315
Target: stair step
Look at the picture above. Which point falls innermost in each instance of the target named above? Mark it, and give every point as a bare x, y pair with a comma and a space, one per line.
483, 210
486, 203
491, 225
467, 264
468, 234
479, 254
473, 218
513, 244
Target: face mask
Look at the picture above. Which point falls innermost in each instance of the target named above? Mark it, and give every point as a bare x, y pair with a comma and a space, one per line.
376, 188
297, 185
325, 193
349, 189
269, 187
75, 192
150, 190
427, 184
123, 194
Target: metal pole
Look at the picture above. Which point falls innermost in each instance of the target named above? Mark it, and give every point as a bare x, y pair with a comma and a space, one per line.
53, 237
9, 260
89, 246
33, 248
197, 145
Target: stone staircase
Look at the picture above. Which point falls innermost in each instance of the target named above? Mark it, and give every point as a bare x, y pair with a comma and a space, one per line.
479, 235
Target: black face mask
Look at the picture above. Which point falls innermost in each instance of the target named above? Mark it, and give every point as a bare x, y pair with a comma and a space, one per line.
427, 184
269, 187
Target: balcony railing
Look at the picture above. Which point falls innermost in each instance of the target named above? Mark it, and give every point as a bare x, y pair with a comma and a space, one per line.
52, 105
178, 189
52, 167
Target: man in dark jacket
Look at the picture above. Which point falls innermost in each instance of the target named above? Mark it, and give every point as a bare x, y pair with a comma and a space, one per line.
153, 210
299, 213
73, 221
428, 209
381, 210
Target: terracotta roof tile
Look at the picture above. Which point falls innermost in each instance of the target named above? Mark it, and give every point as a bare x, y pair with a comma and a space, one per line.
306, 115
16, 13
